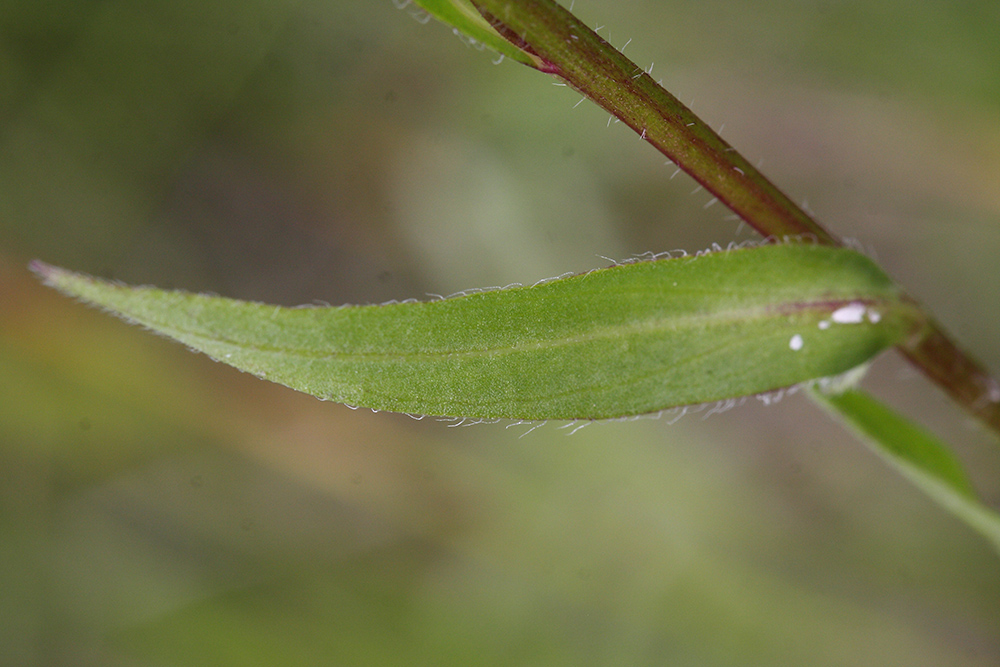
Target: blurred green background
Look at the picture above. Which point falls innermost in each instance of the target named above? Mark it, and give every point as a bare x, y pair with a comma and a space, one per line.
159, 509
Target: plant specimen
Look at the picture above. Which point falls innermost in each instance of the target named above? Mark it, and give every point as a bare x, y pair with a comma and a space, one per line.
796, 309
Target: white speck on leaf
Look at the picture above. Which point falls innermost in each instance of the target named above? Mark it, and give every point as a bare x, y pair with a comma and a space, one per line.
796, 343
852, 313
824, 324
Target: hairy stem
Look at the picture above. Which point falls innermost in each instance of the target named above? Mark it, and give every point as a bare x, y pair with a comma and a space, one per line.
957, 373
565, 47
560, 44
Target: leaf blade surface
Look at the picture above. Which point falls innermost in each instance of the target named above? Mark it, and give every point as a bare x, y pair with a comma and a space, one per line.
625, 340
464, 18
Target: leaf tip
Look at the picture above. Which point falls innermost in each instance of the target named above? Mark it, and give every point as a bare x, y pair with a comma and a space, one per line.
44, 271
63, 280
53, 276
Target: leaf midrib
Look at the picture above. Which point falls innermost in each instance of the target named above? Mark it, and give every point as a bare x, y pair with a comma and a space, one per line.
629, 330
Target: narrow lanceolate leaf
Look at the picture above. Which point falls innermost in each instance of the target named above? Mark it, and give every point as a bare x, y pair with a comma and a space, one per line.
917, 454
624, 340
463, 17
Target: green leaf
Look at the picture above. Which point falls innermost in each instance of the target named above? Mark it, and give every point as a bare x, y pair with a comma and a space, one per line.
461, 15
914, 452
625, 340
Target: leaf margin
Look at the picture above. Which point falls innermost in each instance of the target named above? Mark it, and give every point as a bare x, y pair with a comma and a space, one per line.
467, 21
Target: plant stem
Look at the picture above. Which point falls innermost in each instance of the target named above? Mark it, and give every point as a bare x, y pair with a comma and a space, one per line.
957, 373
565, 47
560, 44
